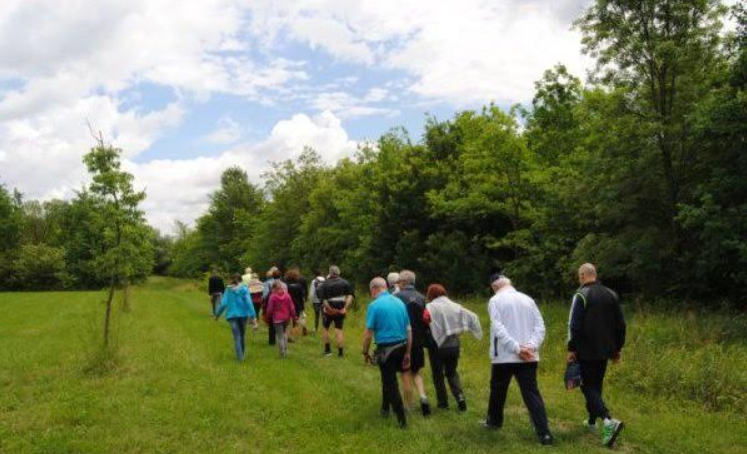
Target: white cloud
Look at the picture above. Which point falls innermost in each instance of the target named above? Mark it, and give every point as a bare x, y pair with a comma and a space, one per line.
346, 106
462, 52
228, 132
179, 189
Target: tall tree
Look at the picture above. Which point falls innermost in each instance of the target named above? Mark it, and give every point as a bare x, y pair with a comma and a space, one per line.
127, 253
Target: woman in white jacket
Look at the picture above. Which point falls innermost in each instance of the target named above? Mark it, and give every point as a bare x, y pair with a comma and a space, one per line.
516, 334
447, 320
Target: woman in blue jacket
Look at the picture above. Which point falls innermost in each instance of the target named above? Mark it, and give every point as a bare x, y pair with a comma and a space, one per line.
239, 308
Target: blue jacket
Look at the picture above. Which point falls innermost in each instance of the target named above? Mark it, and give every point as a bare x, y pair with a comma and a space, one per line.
236, 303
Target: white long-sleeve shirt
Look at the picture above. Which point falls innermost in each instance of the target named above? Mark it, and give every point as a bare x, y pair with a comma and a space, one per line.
515, 320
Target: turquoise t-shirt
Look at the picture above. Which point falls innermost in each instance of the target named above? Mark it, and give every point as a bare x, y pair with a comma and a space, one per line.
387, 318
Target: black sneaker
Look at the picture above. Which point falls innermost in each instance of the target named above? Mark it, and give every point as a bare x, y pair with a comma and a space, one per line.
384, 412
546, 440
490, 425
402, 423
462, 405
425, 407
443, 405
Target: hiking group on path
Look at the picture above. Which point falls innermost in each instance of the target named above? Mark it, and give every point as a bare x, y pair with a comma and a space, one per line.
404, 325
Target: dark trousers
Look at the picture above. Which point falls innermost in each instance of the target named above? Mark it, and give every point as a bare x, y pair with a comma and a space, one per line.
437, 370
592, 382
390, 396
317, 315
448, 359
238, 329
215, 300
271, 333
526, 375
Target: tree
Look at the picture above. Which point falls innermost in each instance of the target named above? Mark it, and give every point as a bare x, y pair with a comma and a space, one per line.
230, 224
127, 254
10, 234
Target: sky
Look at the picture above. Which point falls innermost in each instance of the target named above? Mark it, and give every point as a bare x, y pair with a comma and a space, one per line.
189, 88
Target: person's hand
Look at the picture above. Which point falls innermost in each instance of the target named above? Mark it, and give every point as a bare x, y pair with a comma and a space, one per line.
571, 357
342, 311
255, 325
406, 362
616, 357
216, 318
526, 353
367, 358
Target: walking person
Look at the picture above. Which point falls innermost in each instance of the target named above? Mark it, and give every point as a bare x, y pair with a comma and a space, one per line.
421, 338
238, 309
216, 287
297, 291
596, 334
516, 334
392, 279
272, 275
315, 301
280, 312
388, 324
447, 320
336, 295
251, 279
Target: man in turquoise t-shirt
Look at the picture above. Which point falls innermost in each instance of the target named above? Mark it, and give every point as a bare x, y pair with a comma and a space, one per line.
388, 323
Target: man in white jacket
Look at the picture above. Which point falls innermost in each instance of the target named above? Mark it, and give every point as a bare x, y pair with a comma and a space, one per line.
516, 334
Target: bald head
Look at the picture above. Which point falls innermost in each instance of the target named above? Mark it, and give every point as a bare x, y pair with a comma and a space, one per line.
587, 273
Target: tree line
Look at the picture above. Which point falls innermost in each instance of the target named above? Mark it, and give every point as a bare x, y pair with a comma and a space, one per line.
640, 170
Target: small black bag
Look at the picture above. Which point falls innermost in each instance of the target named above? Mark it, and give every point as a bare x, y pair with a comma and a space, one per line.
572, 375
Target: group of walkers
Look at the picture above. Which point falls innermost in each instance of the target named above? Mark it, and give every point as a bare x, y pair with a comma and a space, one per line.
404, 325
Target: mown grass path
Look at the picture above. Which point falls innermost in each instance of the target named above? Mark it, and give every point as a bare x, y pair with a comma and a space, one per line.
179, 389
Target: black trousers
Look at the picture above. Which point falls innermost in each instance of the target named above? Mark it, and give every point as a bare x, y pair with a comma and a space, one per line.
390, 397
592, 382
271, 333
448, 361
437, 370
526, 375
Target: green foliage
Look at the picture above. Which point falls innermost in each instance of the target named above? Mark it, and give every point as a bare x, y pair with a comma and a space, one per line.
126, 254
41, 267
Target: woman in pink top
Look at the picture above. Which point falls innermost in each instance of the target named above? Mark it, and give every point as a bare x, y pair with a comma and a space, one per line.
280, 311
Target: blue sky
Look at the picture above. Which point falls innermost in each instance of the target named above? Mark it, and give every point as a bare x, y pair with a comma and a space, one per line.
187, 89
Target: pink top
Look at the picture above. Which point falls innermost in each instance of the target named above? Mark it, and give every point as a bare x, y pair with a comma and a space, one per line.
280, 307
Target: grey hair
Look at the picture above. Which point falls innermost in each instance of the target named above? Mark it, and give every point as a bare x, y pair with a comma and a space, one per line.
588, 269
334, 270
392, 278
407, 276
501, 282
378, 282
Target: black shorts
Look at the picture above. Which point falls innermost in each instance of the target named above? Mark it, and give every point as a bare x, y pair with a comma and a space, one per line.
417, 359
328, 320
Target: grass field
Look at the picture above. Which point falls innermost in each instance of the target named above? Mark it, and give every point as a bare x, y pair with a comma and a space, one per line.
177, 387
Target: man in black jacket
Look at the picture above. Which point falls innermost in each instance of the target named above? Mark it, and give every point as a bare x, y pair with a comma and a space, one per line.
216, 287
596, 334
421, 338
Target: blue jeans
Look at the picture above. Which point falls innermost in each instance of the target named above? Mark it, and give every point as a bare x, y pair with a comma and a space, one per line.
238, 329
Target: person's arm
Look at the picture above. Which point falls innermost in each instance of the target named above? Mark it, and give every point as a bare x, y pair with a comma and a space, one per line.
620, 328
222, 307
406, 360
538, 330
500, 332
367, 336
575, 324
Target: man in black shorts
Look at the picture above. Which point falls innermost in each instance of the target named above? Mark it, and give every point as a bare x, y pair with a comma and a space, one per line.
421, 338
336, 295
